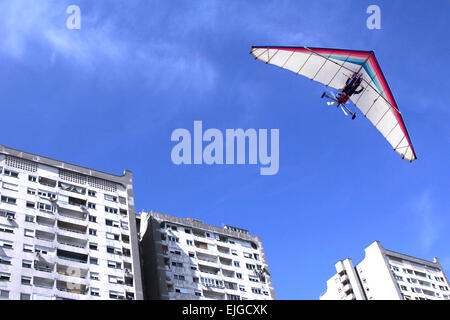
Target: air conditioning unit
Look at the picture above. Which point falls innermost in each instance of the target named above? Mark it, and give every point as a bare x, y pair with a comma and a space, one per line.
10, 217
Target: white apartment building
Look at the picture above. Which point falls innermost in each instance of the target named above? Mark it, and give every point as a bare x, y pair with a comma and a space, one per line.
388, 275
186, 259
66, 232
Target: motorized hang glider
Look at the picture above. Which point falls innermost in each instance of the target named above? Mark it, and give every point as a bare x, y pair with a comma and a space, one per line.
357, 76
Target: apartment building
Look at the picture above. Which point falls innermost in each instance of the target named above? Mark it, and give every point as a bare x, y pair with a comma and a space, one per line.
388, 275
66, 232
186, 259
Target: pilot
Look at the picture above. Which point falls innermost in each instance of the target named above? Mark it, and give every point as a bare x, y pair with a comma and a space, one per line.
352, 84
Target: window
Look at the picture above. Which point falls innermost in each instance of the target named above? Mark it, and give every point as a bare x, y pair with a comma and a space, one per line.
115, 279
93, 246
256, 290
6, 244
92, 232
93, 260
31, 191
177, 264
45, 207
92, 218
29, 218
7, 214
29, 233
110, 210
247, 255
116, 295
189, 242
27, 248
112, 236
110, 198
114, 264
91, 205
8, 200
124, 225
26, 280
95, 292
5, 276
27, 264
92, 193
10, 186
179, 277
5, 260
6, 229
236, 263
46, 194
94, 276
239, 275
113, 250
32, 178
112, 223
4, 294
30, 204
122, 200
25, 296
11, 173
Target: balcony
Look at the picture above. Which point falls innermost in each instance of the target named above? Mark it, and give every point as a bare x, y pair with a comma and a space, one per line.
44, 266
351, 296
71, 271
67, 212
347, 288
225, 261
46, 222
344, 278
223, 250
71, 287
47, 182
71, 241
73, 229
228, 273
72, 256
44, 235
208, 269
43, 282
206, 257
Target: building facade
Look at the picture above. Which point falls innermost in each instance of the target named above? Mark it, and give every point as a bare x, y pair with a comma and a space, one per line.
186, 259
66, 232
388, 275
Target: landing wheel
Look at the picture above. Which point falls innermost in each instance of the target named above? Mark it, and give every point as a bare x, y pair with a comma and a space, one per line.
323, 94
354, 116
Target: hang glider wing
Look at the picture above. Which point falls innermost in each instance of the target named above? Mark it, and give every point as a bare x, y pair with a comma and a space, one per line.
333, 67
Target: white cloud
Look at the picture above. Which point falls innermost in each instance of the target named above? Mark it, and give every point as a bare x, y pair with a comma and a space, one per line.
31, 27
428, 229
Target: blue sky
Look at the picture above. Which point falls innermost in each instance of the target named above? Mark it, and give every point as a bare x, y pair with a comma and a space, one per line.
108, 97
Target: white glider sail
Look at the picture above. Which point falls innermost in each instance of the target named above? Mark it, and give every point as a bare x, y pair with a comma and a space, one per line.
333, 67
